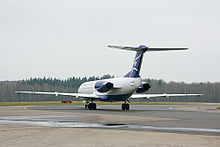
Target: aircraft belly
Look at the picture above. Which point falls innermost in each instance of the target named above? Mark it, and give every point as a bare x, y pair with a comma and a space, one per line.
112, 98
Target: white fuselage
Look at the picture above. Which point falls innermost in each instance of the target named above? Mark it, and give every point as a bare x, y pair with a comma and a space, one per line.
122, 87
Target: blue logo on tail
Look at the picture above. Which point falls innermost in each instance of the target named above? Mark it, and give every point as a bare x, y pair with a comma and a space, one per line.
137, 62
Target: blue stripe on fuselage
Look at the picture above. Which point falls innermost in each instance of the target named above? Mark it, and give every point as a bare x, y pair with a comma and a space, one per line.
112, 98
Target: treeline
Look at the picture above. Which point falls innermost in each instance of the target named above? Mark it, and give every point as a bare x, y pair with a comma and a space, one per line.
211, 91
7, 88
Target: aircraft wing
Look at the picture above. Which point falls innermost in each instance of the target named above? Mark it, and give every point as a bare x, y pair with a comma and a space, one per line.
149, 96
77, 95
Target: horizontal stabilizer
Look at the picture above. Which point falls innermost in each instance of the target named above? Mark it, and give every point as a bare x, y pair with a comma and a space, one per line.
143, 47
125, 48
166, 48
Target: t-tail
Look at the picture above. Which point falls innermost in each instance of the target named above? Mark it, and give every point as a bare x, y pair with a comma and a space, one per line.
135, 71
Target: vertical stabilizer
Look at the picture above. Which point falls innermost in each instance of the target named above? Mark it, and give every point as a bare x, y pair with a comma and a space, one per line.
135, 71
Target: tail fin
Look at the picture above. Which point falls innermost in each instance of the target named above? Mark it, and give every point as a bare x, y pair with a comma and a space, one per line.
135, 71
139, 56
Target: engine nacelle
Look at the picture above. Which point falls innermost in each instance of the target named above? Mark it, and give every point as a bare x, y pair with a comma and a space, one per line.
103, 86
144, 87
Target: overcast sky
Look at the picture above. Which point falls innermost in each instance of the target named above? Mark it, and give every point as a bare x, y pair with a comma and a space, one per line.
69, 38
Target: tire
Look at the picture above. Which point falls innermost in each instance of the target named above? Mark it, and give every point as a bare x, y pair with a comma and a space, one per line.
90, 106
127, 107
94, 106
123, 107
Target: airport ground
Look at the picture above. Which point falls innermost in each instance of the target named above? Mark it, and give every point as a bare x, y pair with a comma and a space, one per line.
143, 125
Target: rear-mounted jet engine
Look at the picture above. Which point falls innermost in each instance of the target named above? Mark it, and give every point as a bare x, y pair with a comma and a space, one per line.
143, 88
103, 86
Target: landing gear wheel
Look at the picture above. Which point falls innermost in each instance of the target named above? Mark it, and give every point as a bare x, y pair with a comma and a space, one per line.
125, 107
92, 106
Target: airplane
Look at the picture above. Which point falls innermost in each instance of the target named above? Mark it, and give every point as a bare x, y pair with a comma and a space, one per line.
131, 86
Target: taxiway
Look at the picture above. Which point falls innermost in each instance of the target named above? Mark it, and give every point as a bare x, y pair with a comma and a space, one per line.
198, 124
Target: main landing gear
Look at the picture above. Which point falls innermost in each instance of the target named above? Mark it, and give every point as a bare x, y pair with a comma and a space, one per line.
91, 106
125, 106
